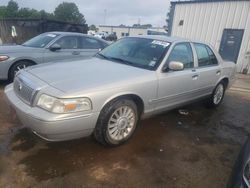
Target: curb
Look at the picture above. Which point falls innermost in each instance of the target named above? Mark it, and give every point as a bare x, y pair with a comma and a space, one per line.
240, 89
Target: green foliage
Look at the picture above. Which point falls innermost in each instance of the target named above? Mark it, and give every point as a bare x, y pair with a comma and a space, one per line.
28, 13
12, 9
93, 28
69, 12
2, 11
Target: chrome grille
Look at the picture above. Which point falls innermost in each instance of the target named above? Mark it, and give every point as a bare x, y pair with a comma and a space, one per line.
23, 91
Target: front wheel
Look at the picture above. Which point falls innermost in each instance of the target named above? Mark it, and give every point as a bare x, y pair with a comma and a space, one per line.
17, 67
117, 122
217, 95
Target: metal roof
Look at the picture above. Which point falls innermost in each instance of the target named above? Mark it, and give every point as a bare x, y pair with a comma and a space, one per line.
131, 27
161, 37
202, 1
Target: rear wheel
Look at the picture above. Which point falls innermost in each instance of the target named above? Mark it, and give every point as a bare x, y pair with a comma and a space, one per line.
217, 96
17, 67
117, 122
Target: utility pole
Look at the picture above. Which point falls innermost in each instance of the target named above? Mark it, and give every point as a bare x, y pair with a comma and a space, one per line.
105, 14
139, 21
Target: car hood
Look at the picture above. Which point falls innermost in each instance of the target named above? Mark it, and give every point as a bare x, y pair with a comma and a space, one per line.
7, 49
90, 74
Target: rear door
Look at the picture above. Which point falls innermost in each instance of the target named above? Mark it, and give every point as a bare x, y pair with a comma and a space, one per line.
89, 46
208, 69
177, 87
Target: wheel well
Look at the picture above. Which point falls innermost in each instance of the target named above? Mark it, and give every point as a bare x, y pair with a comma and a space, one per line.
135, 98
27, 60
225, 81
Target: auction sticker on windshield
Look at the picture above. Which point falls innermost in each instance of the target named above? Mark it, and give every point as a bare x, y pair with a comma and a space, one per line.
51, 35
162, 43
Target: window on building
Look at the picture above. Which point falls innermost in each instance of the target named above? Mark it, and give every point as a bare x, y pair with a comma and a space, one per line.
125, 34
182, 53
181, 22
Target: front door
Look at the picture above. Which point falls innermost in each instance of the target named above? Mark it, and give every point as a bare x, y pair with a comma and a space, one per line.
177, 87
69, 50
230, 44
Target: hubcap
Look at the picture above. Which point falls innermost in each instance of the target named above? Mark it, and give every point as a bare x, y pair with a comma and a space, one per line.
19, 67
121, 123
218, 94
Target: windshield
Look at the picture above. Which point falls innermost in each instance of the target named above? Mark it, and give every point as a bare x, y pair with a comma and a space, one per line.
139, 52
40, 41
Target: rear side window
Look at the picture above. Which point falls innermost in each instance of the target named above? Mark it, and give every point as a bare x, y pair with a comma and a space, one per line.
89, 43
205, 55
213, 59
182, 53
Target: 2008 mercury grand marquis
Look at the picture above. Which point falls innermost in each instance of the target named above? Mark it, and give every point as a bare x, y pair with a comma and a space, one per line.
106, 95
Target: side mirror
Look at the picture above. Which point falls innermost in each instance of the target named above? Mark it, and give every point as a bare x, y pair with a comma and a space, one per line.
55, 47
175, 65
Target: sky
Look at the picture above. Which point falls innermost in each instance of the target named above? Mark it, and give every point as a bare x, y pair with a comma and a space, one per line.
127, 12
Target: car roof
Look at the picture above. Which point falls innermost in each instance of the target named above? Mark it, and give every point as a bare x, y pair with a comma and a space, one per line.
163, 38
75, 33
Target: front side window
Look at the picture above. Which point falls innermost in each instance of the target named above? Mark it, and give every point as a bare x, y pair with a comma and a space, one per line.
40, 41
68, 42
139, 52
205, 55
182, 53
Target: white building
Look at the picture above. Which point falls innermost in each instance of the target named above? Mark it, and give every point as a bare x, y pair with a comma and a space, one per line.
225, 24
122, 31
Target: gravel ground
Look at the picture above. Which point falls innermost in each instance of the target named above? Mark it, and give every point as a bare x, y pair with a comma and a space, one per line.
197, 149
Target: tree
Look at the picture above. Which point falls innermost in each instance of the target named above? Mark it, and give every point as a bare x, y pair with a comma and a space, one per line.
46, 15
93, 28
11, 9
3, 10
69, 12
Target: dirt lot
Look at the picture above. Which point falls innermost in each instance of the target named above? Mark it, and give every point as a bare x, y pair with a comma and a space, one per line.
170, 150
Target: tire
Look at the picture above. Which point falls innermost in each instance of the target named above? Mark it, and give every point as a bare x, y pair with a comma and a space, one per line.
113, 133
217, 96
18, 66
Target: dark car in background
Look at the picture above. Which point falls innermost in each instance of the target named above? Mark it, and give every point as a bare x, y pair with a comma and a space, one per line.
111, 37
47, 47
241, 173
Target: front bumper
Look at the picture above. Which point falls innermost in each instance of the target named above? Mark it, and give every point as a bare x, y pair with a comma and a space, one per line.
4, 68
51, 127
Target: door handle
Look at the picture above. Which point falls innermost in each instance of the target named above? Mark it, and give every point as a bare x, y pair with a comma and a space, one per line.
195, 77
75, 53
218, 72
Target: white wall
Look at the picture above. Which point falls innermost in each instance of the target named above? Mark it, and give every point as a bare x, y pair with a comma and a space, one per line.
206, 22
120, 30
132, 31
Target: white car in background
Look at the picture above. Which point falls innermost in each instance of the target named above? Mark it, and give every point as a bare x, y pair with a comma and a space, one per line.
101, 35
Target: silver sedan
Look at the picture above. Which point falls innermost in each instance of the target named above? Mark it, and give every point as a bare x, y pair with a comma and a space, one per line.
133, 78
47, 47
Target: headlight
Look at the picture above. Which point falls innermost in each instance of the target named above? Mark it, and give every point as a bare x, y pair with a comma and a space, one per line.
61, 106
3, 57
